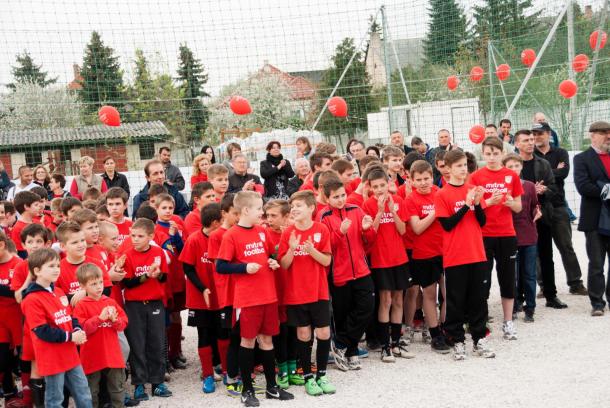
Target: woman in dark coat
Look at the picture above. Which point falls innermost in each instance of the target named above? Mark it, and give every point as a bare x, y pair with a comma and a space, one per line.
276, 171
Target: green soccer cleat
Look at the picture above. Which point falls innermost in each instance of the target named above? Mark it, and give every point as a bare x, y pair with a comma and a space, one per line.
283, 381
326, 386
312, 388
296, 379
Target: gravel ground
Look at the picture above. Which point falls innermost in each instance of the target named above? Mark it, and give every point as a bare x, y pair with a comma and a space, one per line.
558, 361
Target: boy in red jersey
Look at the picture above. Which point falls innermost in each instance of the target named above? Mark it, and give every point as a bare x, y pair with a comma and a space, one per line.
201, 296
28, 205
318, 162
388, 262
202, 194
245, 253
87, 220
11, 333
55, 333
277, 215
502, 197
116, 203
458, 208
427, 261
305, 253
145, 276
352, 289
69, 206
345, 170
392, 157
102, 319
218, 175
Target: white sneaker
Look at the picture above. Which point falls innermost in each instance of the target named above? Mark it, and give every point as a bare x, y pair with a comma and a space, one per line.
387, 356
425, 335
353, 363
401, 350
408, 334
459, 351
510, 333
339, 355
482, 349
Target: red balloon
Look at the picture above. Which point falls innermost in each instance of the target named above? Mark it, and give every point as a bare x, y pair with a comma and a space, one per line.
337, 106
528, 56
503, 71
580, 63
240, 105
109, 116
593, 39
452, 82
476, 73
568, 88
477, 134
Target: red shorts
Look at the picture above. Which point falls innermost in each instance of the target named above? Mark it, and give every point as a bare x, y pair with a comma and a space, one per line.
283, 315
262, 319
10, 328
27, 348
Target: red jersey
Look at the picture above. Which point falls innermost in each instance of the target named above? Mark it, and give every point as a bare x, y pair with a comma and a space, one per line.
102, 349
308, 184
195, 253
67, 277
250, 245
353, 185
388, 249
464, 243
42, 307
355, 199
499, 217
192, 222
7, 272
137, 264
306, 280
429, 243
199, 178
176, 278
98, 252
124, 228
16, 234
320, 207
20, 275
224, 283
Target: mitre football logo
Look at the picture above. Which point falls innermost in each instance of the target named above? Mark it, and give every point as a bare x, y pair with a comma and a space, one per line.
508, 179
317, 237
262, 236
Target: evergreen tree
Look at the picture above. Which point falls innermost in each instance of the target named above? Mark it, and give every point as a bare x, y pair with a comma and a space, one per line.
355, 89
27, 72
102, 78
447, 30
503, 19
192, 78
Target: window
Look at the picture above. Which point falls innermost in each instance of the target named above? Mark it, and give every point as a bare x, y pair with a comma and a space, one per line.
147, 150
32, 158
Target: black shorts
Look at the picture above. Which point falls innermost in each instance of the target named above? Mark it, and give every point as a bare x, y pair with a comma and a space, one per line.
204, 318
392, 278
426, 271
316, 314
226, 317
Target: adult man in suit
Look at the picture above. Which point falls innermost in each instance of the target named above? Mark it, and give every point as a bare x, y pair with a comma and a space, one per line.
591, 173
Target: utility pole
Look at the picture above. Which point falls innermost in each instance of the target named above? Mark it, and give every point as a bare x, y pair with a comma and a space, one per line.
386, 61
575, 141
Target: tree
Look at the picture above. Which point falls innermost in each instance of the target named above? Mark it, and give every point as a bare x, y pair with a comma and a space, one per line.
192, 78
27, 72
354, 88
102, 78
447, 30
31, 106
503, 19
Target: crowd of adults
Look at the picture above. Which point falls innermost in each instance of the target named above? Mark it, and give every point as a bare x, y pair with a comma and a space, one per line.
545, 163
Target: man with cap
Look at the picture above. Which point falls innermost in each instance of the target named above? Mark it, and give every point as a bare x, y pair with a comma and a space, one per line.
591, 173
560, 230
539, 118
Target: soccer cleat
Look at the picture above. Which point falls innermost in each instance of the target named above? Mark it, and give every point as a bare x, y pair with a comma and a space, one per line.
277, 393
295, 378
234, 389
401, 350
326, 386
162, 391
257, 388
283, 381
339, 355
510, 333
387, 356
312, 388
459, 351
354, 363
249, 399
439, 345
482, 349
140, 393
209, 386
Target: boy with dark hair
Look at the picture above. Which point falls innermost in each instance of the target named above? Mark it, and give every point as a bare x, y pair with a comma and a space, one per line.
318, 162
55, 333
145, 276
502, 195
305, 253
352, 289
101, 212
29, 206
345, 170
443, 171
56, 187
245, 253
69, 206
202, 194
10, 217
459, 211
116, 203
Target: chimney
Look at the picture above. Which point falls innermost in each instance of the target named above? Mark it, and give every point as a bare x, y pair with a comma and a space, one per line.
588, 12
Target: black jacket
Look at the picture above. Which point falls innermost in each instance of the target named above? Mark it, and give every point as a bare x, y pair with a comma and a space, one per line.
236, 181
276, 181
293, 185
119, 180
555, 156
589, 176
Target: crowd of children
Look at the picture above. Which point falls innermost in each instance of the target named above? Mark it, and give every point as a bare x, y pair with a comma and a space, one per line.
364, 251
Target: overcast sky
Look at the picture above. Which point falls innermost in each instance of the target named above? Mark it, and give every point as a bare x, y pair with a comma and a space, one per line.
230, 37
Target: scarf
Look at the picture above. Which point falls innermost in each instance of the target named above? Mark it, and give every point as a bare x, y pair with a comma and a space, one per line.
274, 160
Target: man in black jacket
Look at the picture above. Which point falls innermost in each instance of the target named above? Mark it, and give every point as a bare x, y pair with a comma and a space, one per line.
561, 228
539, 172
591, 173
241, 180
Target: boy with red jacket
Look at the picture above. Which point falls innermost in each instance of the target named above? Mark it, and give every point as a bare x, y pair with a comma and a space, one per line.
352, 289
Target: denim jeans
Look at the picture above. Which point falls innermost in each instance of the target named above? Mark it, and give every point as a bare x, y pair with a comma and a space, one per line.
76, 382
526, 275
